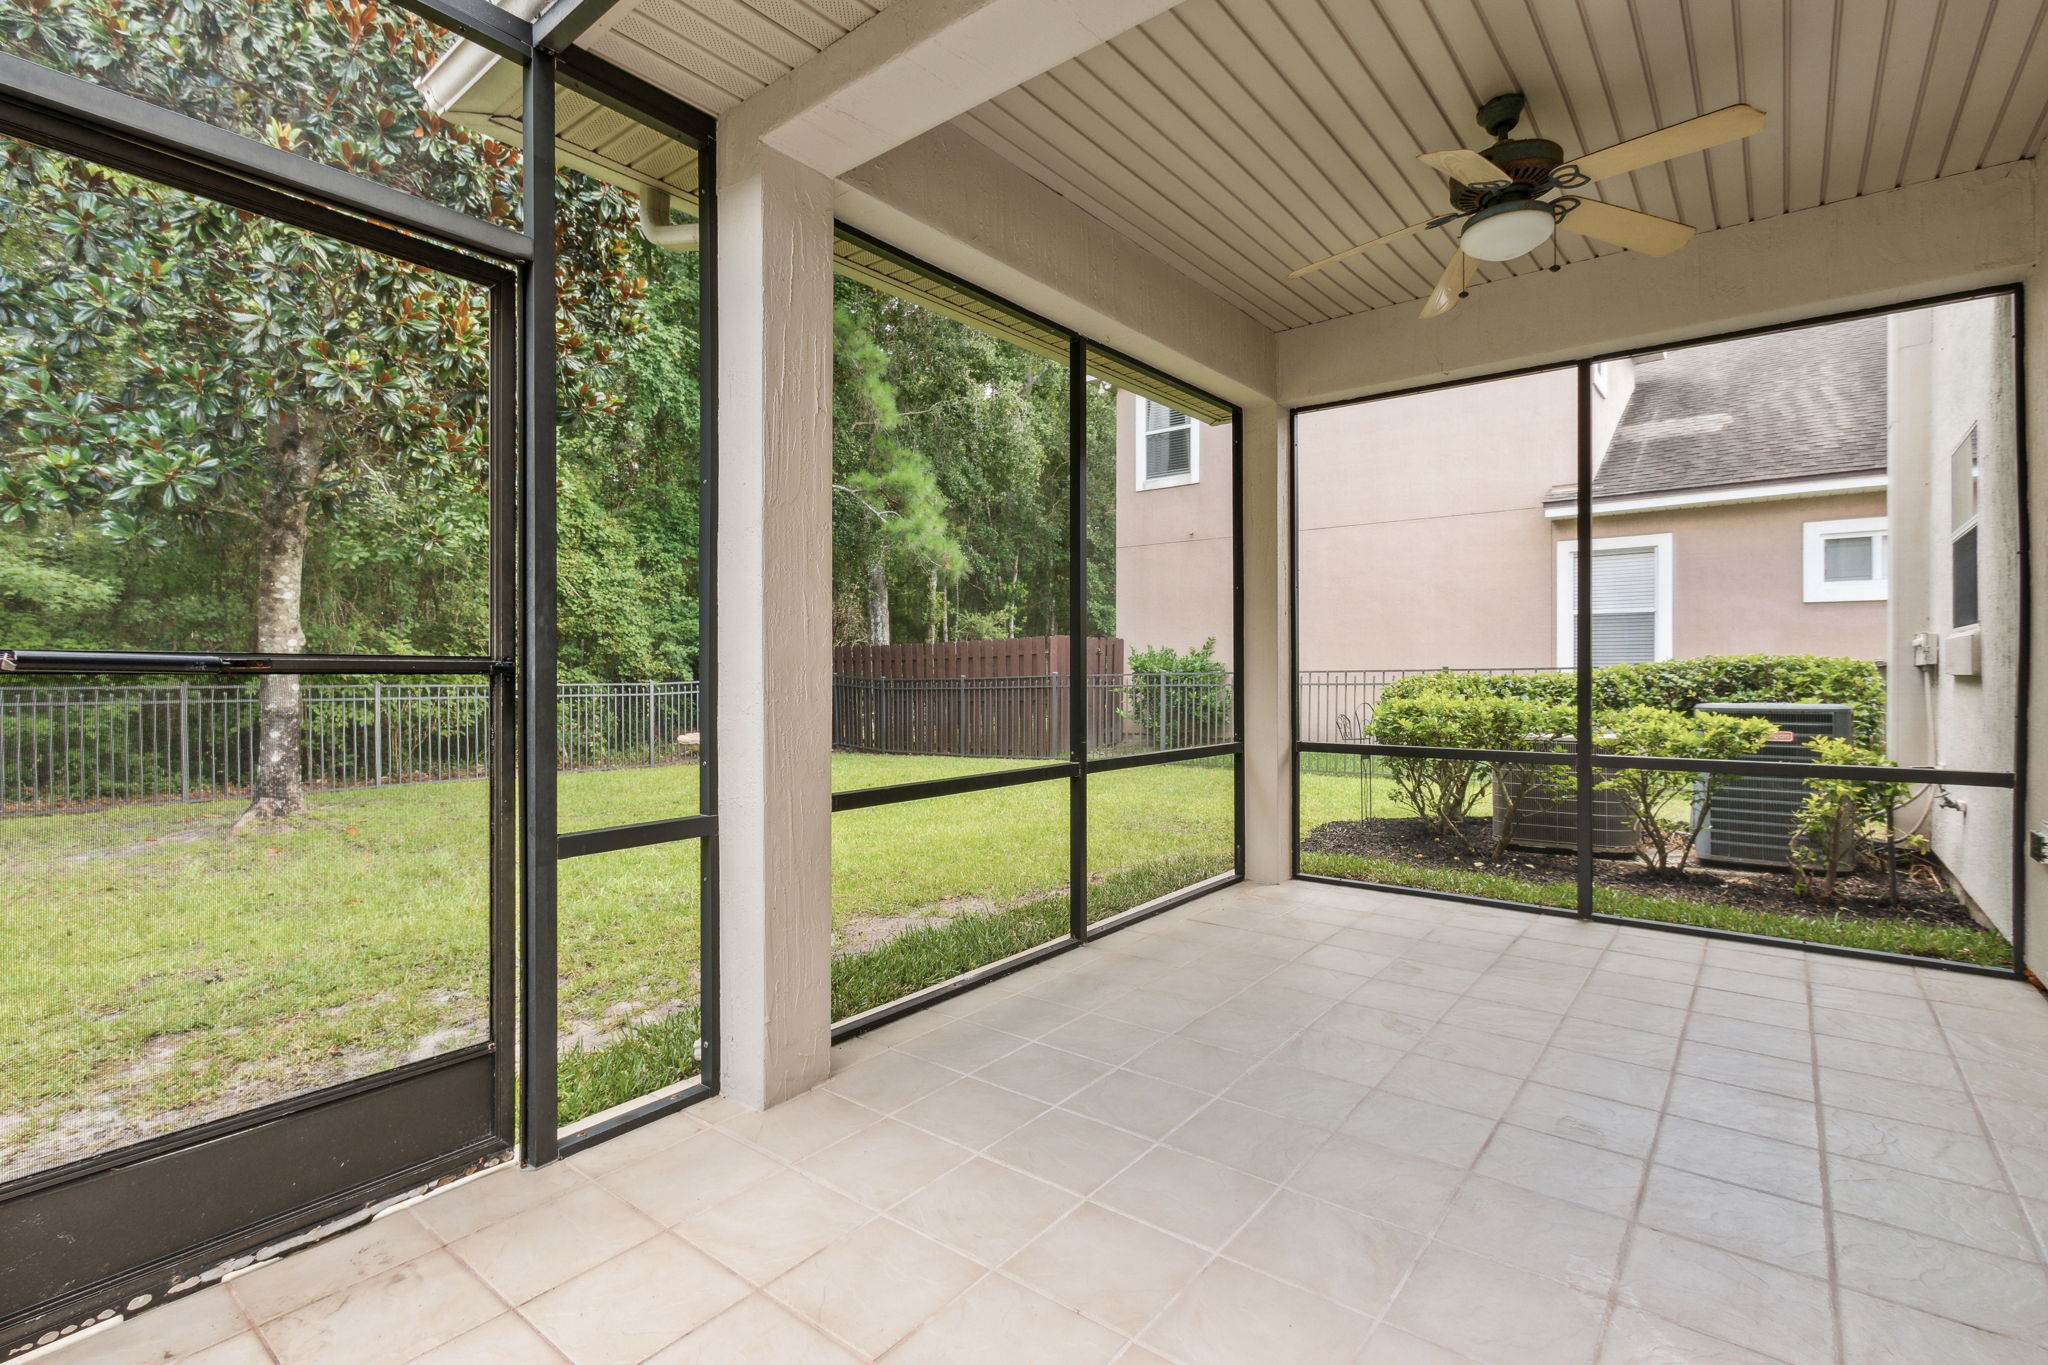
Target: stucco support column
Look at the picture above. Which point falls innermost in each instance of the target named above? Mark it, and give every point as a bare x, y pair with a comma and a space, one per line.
774, 262
1266, 672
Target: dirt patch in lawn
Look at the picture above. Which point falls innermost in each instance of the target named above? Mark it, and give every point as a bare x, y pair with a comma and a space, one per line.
1862, 894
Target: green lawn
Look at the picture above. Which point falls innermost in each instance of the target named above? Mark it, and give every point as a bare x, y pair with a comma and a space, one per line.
160, 972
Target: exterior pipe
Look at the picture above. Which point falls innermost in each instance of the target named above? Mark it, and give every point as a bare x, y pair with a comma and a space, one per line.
655, 226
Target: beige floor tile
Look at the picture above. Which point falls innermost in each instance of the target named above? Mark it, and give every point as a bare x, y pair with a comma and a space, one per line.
1914, 1147
984, 1210
1638, 1338
1418, 1003
1757, 1009
507, 1339
1241, 1029
534, 1251
1343, 1255
1447, 1135
1186, 1195
691, 1176
755, 1331
1617, 1042
497, 1194
1152, 1009
1535, 1232
1606, 1182
1496, 1313
1995, 1293
796, 1128
770, 1227
1749, 1111
1743, 1035
971, 1112
887, 1082
1392, 1346
1622, 1082
1393, 1030
1333, 1054
1914, 1034
1068, 1150
1107, 1040
640, 1143
1476, 1047
1748, 1070
1299, 1095
1897, 1063
1719, 1294
1246, 1139
1677, 994
182, 1326
1453, 1085
1623, 1012
964, 1044
1781, 1168
1876, 1332
1184, 1062
1764, 1227
1112, 1268
631, 1306
394, 1317
1231, 1315
1001, 1322
1021, 1015
1140, 1104
245, 1349
882, 1163
875, 1286
296, 1280
1043, 1073
1990, 1220
1401, 1188
1616, 1127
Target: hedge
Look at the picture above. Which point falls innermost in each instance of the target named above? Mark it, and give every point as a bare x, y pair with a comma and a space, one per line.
1682, 684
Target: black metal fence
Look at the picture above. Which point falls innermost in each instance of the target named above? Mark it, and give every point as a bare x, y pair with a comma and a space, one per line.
1337, 706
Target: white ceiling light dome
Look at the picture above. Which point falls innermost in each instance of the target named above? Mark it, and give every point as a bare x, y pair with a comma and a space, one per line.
1503, 231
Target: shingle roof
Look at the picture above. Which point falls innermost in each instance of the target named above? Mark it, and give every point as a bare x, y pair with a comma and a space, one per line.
1790, 405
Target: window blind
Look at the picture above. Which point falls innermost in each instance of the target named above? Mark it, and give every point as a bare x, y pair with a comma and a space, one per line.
1169, 441
1625, 606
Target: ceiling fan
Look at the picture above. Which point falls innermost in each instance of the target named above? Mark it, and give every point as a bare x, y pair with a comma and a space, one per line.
1516, 194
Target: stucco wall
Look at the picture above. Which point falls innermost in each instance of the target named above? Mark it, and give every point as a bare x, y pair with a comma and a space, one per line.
1738, 581
1173, 581
1951, 371
1423, 543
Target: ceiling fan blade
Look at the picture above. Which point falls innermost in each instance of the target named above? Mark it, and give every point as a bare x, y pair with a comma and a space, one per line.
1349, 252
1693, 135
1456, 277
1467, 168
1644, 232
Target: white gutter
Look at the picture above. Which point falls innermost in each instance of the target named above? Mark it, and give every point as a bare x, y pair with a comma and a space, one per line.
1712, 497
655, 226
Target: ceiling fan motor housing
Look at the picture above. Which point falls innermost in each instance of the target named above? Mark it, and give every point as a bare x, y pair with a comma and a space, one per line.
1522, 160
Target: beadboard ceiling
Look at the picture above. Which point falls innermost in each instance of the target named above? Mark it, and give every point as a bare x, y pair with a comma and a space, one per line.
1242, 138
715, 53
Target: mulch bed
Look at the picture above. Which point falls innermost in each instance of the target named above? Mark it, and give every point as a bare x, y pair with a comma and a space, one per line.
1861, 894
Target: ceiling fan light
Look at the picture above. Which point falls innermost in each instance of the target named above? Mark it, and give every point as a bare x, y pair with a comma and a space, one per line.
1501, 232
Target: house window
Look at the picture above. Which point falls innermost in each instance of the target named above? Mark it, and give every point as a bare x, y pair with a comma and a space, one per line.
1170, 452
1631, 600
1963, 609
1847, 561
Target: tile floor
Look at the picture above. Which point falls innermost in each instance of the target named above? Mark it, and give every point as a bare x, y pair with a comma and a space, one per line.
1283, 1124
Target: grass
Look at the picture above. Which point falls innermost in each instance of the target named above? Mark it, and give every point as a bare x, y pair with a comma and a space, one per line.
162, 972
1952, 943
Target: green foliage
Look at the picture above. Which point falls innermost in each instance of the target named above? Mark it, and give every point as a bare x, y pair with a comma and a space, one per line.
1444, 791
1179, 697
1668, 809
1682, 684
1833, 826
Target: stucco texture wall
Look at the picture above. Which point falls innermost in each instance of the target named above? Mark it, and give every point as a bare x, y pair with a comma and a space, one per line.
1173, 579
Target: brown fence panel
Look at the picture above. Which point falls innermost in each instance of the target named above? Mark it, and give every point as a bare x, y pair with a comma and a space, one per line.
972, 698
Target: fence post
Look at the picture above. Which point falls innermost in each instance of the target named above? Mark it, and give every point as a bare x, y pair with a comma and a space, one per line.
377, 733
650, 723
184, 741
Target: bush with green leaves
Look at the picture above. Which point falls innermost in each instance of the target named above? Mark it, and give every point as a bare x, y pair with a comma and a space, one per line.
1682, 684
1180, 697
1668, 809
1444, 791
1835, 828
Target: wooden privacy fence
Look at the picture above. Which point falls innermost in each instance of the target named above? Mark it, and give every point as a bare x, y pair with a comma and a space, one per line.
976, 698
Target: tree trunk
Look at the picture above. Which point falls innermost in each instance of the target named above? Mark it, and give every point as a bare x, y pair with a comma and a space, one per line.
878, 599
280, 623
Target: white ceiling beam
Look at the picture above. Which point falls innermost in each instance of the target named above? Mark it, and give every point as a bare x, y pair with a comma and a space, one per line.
918, 64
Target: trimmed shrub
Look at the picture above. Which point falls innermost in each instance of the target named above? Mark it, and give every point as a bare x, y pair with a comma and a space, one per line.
1682, 684
1668, 809
1834, 824
1443, 791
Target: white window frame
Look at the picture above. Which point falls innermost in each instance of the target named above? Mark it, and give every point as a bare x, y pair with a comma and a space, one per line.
1568, 589
1194, 474
1816, 534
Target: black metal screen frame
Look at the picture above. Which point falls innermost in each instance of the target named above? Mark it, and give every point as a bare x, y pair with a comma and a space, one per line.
1584, 761
1077, 766
53, 109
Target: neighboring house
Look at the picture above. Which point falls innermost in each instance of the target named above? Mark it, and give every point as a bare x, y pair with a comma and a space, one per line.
1173, 529
1739, 504
1954, 651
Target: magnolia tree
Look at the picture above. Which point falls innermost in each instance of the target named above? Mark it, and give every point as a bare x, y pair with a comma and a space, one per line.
170, 367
